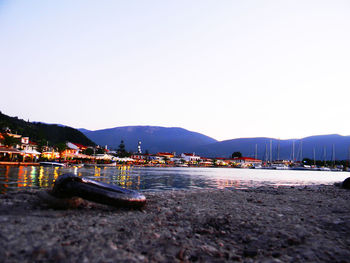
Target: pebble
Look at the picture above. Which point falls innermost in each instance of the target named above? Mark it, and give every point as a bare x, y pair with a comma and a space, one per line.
253, 225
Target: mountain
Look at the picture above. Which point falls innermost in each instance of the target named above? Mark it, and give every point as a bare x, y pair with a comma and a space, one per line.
37, 131
179, 140
83, 130
153, 138
322, 145
161, 139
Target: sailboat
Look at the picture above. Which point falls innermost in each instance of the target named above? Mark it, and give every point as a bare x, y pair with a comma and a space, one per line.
334, 168
299, 166
324, 168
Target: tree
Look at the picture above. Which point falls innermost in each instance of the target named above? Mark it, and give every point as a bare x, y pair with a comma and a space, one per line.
41, 145
99, 150
89, 151
121, 150
308, 161
237, 155
61, 147
10, 140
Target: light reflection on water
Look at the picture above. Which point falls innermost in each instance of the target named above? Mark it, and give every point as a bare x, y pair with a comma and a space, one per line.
159, 179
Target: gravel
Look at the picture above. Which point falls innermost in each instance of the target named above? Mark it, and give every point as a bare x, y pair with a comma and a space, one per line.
309, 224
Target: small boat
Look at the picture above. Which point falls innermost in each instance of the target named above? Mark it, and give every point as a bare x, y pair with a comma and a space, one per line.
324, 169
100, 164
181, 165
52, 164
299, 168
336, 169
282, 167
268, 167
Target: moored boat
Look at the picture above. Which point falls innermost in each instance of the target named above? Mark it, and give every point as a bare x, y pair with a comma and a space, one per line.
52, 164
100, 164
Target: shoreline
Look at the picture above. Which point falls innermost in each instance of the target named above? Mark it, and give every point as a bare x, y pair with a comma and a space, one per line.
265, 224
19, 163
127, 166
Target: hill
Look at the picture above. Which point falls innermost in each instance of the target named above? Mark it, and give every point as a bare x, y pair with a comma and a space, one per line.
321, 145
153, 138
162, 139
37, 131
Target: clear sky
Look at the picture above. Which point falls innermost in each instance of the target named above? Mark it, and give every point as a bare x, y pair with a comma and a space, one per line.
226, 69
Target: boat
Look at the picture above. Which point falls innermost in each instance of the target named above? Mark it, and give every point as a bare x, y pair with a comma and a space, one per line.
282, 167
100, 164
335, 169
324, 169
299, 168
52, 164
267, 167
181, 165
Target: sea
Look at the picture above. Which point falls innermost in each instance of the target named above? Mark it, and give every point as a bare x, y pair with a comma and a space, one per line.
151, 179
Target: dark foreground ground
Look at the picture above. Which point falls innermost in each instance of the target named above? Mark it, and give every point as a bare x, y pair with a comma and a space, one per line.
259, 225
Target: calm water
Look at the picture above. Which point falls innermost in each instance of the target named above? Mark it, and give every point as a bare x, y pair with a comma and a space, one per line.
13, 178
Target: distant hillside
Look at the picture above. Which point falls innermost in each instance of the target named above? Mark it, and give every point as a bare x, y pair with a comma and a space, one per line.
154, 139
37, 131
83, 130
305, 147
160, 139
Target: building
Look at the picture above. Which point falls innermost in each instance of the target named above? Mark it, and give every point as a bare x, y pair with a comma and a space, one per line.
206, 161
165, 155
247, 160
140, 158
190, 157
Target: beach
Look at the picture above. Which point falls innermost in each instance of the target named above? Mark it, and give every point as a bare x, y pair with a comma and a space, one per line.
265, 224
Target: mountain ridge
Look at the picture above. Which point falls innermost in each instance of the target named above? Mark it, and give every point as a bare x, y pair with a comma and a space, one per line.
177, 139
318, 146
153, 138
181, 140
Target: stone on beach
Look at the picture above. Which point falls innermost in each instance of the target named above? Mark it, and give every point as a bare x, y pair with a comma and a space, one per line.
346, 183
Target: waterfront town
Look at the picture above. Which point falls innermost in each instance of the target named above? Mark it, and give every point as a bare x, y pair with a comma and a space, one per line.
16, 149
19, 150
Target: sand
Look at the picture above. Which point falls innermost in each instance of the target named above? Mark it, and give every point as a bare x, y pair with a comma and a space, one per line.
309, 224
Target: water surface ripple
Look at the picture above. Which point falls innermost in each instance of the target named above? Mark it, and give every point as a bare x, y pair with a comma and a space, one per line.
13, 178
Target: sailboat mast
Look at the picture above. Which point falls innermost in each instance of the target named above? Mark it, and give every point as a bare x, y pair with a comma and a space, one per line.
314, 156
293, 149
256, 151
270, 151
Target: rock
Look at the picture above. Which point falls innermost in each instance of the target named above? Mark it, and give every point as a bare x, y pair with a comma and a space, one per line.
250, 252
60, 203
346, 183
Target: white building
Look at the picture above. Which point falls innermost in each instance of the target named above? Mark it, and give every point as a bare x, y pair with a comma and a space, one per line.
190, 157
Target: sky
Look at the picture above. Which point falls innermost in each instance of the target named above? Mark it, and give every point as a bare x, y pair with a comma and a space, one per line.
227, 69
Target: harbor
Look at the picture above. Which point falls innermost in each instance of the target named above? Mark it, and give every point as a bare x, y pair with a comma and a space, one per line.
174, 131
